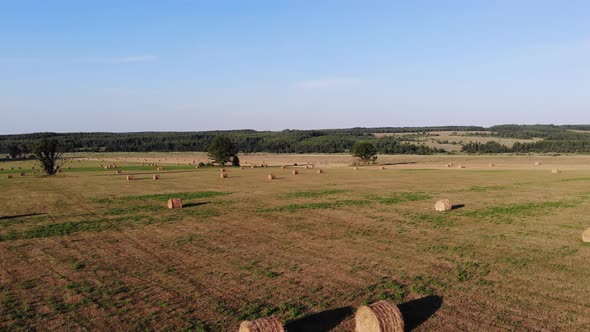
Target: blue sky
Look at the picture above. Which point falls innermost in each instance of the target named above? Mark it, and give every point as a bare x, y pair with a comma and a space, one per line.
199, 65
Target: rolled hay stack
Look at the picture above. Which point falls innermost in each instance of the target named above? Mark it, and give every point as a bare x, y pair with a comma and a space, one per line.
460, 166
267, 324
295, 172
586, 235
241, 167
283, 167
382, 167
356, 168
271, 176
118, 171
22, 174
320, 171
175, 203
223, 175
450, 165
10, 176
443, 205
253, 166
156, 177
222, 170
538, 163
129, 177
555, 171
491, 164
380, 316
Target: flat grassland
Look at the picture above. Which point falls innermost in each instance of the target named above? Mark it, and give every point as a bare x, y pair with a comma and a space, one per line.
89, 250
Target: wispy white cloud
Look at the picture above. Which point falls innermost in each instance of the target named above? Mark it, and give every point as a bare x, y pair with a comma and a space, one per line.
125, 59
326, 83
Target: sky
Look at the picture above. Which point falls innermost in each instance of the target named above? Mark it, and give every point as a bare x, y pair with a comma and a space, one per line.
180, 65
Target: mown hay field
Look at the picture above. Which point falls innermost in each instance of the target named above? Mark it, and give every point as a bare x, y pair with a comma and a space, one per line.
89, 250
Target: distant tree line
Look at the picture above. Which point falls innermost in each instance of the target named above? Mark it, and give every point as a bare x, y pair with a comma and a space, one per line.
555, 139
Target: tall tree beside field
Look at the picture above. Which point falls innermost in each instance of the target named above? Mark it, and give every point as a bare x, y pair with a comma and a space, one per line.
14, 150
222, 149
365, 151
46, 152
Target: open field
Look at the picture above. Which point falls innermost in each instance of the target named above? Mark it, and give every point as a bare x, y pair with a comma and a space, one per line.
452, 141
88, 250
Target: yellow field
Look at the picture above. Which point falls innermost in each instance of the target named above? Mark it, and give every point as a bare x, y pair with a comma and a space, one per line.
89, 250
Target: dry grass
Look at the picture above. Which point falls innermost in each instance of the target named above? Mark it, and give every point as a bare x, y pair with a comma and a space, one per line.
83, 251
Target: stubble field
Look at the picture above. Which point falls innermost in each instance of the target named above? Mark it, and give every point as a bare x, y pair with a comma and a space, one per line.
89, 250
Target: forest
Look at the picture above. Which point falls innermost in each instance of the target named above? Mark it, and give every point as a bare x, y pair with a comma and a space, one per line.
558, 139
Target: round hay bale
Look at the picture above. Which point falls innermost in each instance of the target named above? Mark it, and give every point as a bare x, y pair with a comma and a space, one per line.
222, 170
253, 166
271, 176
241, 167
283, 167
118, 171
320, 171
129, 177
10, 176
460, 166
382, 167
2, 169
538, 163
156, 177
22, 174
356, 168
295, 172
450, 165
267, 324
586, 235
380, 316
491, 164
223, 175
443, 205
175, 203
555, 171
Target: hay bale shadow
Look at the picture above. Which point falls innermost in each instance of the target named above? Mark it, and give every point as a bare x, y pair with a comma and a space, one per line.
418, 311
22, 215
321, 322
194, 204
457, 206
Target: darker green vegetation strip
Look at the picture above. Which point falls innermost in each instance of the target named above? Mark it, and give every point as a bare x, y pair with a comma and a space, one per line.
521, 209
396, 198
317, 193
320, 205
164, 197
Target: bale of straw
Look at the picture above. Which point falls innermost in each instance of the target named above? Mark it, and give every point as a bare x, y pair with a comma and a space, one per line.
222, 170
443, 205
555, 171
175, 203
118, 171
460, 166
586, 235
271, 176
356, 168
491, 165
156, 177
538, 163
129, 177
2, 169
283, 167
320, 171
450, 165
267, 324
241, 167
10, 176
380, 316
253, 166
382, 167
22, 174
223, 175
295, 172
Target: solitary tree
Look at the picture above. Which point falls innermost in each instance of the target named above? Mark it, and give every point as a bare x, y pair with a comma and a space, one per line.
235, 161
222, 149
365, 151
46, 152
14, 150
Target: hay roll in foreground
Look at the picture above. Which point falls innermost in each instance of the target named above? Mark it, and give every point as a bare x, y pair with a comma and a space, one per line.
271, 176
586, 235
320, 171
156, 177
295, 172
223, 175
267, 324
382, 167
175, 203
555, 171
443, 205
380, 316
129, 177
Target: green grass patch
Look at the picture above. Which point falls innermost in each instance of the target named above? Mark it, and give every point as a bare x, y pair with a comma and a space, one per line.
181, 195
520, 209
316, 193
396, 198
486, 188
575, 179
319, 205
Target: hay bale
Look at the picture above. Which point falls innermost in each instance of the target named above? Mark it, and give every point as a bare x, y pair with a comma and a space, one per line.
491, 165
382, 167
443, 205
586, 235
10, 176
129, 177
22, 174
356, 168
175, 203
555, 171
283, 167
538, 163
271, 176
241, 167
320, 171
118, 171
380, 316
460, 166
450, 165
2, 169
223, 175
253, 166
222, 170
267, 324
156, 177
295, 172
